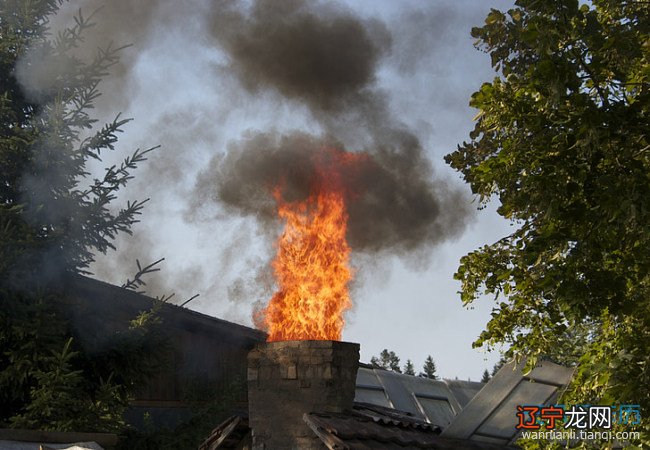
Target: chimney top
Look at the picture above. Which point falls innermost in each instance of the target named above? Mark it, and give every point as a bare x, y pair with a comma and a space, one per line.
287, 379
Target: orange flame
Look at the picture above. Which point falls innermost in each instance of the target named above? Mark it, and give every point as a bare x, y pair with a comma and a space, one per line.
312, 262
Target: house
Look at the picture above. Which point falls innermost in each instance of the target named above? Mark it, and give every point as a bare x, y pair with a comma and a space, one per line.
306, 394
314, 395
206, 352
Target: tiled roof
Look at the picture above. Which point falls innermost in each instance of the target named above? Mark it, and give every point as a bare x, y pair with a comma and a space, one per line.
390, 416
370, 427
365, 427
465, 410
396, 411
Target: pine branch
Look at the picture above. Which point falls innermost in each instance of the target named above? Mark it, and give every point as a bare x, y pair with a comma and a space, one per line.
189, 300
137, 281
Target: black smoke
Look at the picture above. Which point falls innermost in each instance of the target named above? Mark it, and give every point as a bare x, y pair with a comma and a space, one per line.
319, 54
320, 59
327, 58
392, 204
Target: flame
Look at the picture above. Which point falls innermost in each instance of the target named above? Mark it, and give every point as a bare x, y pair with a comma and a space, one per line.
311, 266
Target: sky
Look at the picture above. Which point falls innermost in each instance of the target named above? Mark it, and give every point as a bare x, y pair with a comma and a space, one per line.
237, 92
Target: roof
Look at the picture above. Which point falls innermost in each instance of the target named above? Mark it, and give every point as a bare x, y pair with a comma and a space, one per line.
395, 411
465, 409
365, 427
491, 415
368, 427
435, 401
16, 439
94, 302
228, 435
16, 445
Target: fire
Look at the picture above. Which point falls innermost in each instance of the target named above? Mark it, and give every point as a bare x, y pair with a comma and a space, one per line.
312, 262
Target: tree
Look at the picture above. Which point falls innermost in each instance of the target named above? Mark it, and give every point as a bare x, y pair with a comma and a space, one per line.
53, 219
429, 369
409, 369
486, 376
387, 360
561, 139
498, 365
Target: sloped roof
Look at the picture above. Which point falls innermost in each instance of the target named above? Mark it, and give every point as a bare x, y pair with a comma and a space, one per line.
491, 415
435, 401
465, 409
368, 427
17, 439
394, 411
97, 308
365, 427
16, 445
228, 435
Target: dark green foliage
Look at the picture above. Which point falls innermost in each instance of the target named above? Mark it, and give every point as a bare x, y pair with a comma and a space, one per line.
111, 360
49, 381
210, 405
486, 376
562, 140
53, 219
429, 369
498, 365
387, 360
31, 330
59, 399
409, 369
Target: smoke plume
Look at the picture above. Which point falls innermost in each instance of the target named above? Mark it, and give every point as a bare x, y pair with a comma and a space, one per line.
319, 54
241, 94
392, 204
327, 59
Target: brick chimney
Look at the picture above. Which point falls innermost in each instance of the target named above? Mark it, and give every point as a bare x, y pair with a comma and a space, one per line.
288, 379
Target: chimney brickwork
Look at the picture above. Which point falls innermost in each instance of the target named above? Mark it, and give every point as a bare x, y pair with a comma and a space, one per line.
288, 379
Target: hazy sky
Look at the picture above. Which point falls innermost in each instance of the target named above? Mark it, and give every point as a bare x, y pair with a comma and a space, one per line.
209, 80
